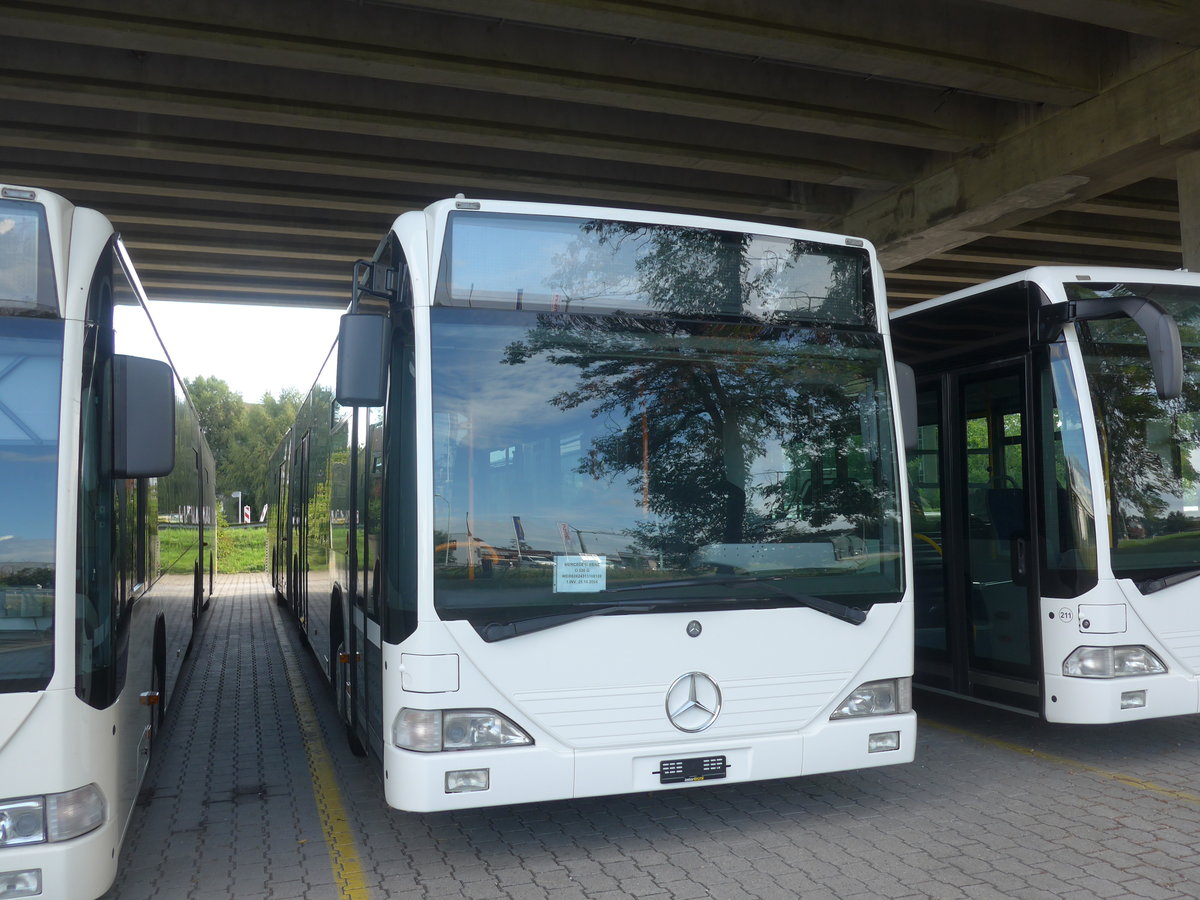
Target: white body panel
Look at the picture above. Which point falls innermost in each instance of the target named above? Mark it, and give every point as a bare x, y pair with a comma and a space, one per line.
41, 753
592, 695
1168, 622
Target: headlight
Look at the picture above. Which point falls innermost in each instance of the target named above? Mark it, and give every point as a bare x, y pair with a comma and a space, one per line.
1112, 662
55, 817
877, 698
432, 730
22, 822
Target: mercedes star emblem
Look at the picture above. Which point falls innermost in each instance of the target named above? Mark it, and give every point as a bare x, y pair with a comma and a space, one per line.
693, 702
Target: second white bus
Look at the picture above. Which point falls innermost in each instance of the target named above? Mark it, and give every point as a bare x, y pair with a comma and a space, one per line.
602, 501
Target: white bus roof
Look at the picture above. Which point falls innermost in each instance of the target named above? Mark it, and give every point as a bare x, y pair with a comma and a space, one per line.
1057, 275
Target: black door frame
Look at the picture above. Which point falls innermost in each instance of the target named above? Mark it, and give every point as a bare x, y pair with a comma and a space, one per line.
954, 670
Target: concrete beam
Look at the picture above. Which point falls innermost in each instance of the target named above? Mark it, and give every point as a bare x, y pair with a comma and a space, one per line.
447, 178
965, 47
428, 50
814, 159
1189, 210
1177, 21
1122, 136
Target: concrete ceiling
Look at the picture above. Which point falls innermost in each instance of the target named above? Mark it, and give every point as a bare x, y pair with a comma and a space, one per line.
249, 152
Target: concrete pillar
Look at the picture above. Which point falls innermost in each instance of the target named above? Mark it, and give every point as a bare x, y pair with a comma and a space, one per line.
1188, 173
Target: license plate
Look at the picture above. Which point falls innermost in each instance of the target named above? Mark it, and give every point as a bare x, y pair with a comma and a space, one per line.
698, 768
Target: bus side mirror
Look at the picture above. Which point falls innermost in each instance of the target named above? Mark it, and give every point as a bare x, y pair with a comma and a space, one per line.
1162, 333
1166, 354
906, 387
143, 425
362, 360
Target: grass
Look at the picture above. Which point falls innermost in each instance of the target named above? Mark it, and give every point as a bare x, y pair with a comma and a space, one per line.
241, 548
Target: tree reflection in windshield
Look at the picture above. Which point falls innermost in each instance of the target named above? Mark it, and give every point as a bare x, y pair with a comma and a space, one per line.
725, 424
1152, 446
731, 433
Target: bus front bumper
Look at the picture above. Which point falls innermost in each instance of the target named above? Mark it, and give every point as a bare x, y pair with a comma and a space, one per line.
429, 782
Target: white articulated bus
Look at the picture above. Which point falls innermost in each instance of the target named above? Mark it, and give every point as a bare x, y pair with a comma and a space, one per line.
106, 517
603, 501
1056, 492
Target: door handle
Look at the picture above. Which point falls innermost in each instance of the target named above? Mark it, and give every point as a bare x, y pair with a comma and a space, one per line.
1019, 553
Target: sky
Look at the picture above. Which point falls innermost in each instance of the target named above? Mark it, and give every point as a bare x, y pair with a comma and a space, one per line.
253, 349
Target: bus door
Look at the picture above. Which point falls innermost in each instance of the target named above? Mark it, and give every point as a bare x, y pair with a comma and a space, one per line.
201, 524
299, 563
975, 569
365, 634
279, 522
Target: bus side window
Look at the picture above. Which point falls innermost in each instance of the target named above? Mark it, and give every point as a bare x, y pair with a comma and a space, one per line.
103, 542
400, 480
1068, 512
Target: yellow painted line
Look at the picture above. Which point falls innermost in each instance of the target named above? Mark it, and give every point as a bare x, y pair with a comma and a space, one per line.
1100, 772
339, 837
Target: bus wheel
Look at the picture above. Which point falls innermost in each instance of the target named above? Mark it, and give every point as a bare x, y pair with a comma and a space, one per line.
356, 746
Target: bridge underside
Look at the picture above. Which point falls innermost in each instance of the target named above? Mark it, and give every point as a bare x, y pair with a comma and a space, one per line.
249, 152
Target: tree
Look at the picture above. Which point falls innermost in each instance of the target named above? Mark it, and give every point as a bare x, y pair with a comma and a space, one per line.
220, 411
262, 427
242, 436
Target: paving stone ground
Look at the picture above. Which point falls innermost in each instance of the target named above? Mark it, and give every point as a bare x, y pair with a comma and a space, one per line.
997, 805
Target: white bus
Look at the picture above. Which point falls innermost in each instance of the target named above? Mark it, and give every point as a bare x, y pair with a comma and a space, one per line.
1056, 492
106, 518
611, 501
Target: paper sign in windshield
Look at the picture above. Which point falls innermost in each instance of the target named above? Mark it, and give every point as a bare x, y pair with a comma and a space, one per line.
579, 574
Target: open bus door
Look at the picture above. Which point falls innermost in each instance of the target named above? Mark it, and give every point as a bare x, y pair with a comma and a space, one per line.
975, 572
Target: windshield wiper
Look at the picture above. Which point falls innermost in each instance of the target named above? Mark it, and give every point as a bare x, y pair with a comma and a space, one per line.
851, 614
1157, 584
502, 631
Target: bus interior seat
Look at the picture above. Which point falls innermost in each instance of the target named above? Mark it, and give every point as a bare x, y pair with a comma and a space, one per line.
1007, 509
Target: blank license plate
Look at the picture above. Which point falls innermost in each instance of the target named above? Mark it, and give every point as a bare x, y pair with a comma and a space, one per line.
698, 768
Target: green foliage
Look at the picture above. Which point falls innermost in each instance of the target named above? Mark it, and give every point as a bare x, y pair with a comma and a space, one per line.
177, 548
224, 538
318, 524
245, 551
220, 411
242, 435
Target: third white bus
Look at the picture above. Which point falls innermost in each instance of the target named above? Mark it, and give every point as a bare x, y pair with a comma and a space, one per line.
1056, 492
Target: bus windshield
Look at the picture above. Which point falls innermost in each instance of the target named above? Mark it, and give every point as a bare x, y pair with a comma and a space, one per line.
30, 373
608, 459
569, 265
1151, 446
